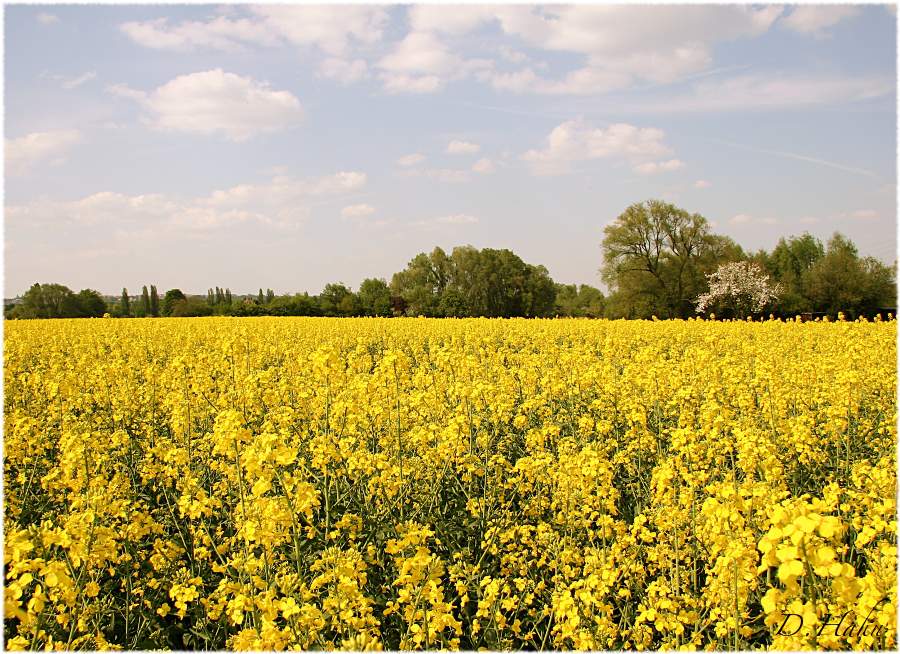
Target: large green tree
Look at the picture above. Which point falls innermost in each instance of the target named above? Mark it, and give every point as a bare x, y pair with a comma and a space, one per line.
90, 303
375, 297
789, 264
172, 296
422, 282
145, 301
338, 300
472, 282
154, 301
656, 256
841, 280
58, 301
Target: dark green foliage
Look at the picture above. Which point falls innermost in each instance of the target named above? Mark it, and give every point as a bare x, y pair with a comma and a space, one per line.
375, 298
656, 258
171, 297
575, 301
472, 282
154, 301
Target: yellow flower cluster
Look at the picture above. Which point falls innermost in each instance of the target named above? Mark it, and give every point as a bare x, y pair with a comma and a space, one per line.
366, 484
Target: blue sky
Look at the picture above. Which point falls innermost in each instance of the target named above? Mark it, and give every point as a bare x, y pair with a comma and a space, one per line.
286, 147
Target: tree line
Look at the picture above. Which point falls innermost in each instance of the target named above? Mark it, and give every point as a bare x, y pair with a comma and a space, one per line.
658, 260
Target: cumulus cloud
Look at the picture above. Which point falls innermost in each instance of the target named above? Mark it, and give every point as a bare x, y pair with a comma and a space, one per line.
281, 202
47, 19
653, 167
331, 31
575, 140
484, 166
420, 52
25, 152
336, 35
815, 20
343, 70
357, 211
617, 46
864, 214
411, 160
702, 183
620, 45
216, 102
462, 147
420, 63
455, 20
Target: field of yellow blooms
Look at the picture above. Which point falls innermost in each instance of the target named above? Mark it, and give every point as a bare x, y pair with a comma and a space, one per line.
272, 483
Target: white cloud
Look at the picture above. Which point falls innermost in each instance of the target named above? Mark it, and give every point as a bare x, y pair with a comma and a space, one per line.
576, 140
283, 190
583, 81
219, 33
815, 20
75, 82
653, 167
280, 203
745, 218
702, 183
343, 70
454, 20
422, 63
400, 83
610, 30
330, 30
338, 183
864, 214
757, 92
411, 159
809, 220
620, 44
462, 147
47, 19
69, 83
420, 52
357, 211
218, 102
27, 151
484, 166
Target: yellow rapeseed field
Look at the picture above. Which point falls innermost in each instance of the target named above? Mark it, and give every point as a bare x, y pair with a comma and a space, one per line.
368, 483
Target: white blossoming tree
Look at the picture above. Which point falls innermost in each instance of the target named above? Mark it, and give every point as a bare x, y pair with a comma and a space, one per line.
740, 286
